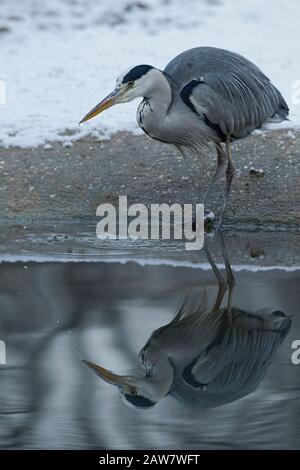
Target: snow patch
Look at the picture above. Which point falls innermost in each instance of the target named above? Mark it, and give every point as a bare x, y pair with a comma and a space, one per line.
59, 58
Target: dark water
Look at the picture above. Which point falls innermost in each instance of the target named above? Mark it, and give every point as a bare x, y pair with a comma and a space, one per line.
53, 314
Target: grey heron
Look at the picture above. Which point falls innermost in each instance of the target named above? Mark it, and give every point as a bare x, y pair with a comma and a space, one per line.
206, 356
204, 99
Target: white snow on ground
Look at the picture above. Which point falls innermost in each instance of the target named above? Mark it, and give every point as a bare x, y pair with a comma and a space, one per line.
60, 57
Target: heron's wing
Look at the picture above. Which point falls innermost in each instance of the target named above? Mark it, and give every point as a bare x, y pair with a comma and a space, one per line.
243, 356
194, 327
191, 313
194, 323
193, 303
235, 102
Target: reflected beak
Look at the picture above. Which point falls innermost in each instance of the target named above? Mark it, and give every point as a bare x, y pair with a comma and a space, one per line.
106, 103
111, 378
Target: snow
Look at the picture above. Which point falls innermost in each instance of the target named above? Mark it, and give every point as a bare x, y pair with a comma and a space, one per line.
60, 57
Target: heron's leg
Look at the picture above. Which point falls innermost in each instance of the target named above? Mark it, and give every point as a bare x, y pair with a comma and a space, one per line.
229, 176
221, 156
229, 276
221, 281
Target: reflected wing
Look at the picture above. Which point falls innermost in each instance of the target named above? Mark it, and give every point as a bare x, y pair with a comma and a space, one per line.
192, 329
243, 356
194, 304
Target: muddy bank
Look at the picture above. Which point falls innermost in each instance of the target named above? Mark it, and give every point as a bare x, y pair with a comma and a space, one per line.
69, 183
49, 198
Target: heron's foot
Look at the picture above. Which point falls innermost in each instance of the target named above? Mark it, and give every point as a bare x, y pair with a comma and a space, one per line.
219, 227
209, 222
209, 218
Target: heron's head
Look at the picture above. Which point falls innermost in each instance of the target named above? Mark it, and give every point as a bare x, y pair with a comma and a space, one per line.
139, 81
135, 391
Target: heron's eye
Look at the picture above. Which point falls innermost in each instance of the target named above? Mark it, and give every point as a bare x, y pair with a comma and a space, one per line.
130, 84
133, 391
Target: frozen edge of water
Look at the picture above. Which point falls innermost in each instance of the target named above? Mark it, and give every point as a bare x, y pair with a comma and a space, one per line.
8, 258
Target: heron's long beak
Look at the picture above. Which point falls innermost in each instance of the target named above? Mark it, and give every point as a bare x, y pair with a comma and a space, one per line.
110, 377
109, 101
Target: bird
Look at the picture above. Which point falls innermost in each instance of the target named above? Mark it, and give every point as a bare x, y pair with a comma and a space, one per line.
206, 356
204, 99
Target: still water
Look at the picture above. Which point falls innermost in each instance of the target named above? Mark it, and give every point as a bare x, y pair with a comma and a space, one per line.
202, 370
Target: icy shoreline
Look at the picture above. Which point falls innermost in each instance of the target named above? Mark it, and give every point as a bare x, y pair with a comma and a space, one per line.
58, 63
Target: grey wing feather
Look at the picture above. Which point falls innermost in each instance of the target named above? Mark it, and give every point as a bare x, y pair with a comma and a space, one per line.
243, 357
237, 104
228, 90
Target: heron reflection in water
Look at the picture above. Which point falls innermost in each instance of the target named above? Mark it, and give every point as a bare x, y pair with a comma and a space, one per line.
205, 357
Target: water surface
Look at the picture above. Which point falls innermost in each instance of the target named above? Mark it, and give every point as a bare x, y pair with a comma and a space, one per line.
54, 314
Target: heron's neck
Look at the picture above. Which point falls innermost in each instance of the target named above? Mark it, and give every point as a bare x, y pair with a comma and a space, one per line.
154, 107
160, 97
158, 384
